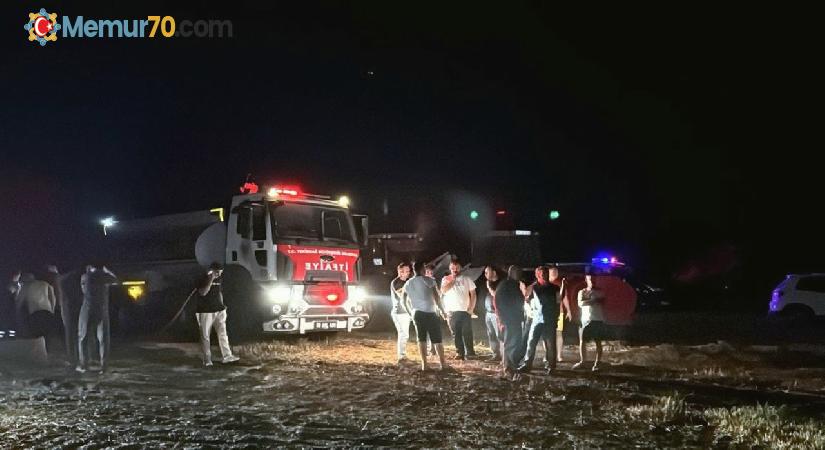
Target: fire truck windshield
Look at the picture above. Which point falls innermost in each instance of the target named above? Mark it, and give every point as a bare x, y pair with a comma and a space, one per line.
299, 221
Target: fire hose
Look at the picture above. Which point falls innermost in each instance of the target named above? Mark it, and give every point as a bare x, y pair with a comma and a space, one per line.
180, 311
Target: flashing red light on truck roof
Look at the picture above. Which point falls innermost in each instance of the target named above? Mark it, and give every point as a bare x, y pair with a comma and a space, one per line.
249, 188
290, 191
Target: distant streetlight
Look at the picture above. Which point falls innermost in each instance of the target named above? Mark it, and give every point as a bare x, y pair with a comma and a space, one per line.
554, 215
107, 223
474, 215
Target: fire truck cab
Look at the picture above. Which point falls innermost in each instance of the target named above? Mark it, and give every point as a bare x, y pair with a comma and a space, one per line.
302, 252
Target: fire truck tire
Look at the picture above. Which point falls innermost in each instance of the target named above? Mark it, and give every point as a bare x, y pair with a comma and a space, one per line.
242, 322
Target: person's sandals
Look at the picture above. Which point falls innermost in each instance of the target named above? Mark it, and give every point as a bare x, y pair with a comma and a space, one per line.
578, 365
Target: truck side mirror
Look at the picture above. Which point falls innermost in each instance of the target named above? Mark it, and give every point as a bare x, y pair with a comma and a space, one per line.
362, 228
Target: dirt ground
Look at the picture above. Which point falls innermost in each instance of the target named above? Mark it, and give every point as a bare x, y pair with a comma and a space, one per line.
349, 392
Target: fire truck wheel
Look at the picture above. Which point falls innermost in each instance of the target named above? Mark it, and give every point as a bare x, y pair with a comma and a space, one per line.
238, 293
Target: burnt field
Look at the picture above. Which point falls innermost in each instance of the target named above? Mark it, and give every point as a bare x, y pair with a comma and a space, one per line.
349, 392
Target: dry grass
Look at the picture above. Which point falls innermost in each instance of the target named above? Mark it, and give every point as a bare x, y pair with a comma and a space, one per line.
663, 410
373, 352
760, 426
765, 426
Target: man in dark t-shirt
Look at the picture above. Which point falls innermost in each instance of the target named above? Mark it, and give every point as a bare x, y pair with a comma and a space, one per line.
211, 313
509, 306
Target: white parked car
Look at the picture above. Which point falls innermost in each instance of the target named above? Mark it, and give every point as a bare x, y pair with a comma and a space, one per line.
799, 296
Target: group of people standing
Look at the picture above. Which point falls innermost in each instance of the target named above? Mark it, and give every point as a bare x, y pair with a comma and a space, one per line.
35, 303
419, 299
42, 306
518, 316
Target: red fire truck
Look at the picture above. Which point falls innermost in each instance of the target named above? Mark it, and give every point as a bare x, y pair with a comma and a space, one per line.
292, 262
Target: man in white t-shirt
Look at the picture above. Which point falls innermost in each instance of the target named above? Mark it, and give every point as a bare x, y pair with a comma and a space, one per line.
459, 299
590, 300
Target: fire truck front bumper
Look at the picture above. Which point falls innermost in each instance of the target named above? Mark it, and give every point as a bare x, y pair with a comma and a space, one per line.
308, 323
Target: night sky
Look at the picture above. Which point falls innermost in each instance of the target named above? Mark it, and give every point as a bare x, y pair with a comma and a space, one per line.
667, 136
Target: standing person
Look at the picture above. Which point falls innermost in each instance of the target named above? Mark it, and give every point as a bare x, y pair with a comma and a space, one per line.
509, 306
429, 271
94, 314
211, 313
590, 302
544, 303
490, 320
529, 311
527, 322
565, 311
400, 315
459, 293
70, 311
67, 315
35, 304
425, 303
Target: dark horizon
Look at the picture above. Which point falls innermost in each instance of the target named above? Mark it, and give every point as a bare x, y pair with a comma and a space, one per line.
662, 140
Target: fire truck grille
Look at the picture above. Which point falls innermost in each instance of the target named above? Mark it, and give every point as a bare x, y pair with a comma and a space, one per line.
325, 310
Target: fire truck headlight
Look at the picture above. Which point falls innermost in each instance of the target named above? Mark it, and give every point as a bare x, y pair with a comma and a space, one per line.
279, 294
276, 309
356, 294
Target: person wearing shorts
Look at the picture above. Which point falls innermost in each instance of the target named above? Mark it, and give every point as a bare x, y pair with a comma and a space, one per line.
592, 316
425, 303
